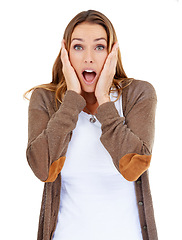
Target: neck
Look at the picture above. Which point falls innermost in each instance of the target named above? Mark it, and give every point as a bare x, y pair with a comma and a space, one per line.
91, 101
89, 97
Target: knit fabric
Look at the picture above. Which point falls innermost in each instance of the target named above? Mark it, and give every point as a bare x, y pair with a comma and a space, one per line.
128, 140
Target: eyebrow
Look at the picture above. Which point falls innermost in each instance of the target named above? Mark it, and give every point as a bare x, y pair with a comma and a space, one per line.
78, 39
95, 40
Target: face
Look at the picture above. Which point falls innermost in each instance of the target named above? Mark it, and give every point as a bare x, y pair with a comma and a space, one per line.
88, 52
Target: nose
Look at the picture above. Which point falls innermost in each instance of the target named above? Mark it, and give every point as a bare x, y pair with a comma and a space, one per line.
88, 58
88, 61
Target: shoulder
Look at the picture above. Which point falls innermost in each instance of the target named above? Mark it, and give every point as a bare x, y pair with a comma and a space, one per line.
139, 89
42, 99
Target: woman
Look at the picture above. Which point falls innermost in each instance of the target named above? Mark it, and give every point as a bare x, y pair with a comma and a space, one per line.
91, 133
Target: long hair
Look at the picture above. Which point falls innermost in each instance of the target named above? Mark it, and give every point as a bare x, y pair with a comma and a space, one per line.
58, 84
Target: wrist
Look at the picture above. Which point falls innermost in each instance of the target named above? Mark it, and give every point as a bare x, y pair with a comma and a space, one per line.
74, 89
103, 99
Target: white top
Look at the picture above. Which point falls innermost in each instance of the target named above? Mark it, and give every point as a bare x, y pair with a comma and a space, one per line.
97, 202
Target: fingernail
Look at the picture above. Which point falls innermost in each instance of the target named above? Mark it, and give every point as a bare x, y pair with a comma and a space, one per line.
62, 44
117, 45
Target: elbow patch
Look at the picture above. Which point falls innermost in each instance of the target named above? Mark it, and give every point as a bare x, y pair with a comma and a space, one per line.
133, 165
55, 169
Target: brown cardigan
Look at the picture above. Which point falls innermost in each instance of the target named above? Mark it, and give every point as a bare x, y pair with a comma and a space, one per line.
129, 144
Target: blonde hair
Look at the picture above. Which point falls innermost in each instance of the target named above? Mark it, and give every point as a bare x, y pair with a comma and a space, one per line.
58, 84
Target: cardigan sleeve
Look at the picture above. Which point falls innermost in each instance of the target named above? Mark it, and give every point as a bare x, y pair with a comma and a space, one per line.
129, 139
49, 136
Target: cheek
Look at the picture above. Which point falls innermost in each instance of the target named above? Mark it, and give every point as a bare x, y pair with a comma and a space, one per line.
102, 59
74, 59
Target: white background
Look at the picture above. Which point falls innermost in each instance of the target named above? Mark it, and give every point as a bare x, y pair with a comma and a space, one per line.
150, 39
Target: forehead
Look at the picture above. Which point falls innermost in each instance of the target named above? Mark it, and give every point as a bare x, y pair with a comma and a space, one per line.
89, 31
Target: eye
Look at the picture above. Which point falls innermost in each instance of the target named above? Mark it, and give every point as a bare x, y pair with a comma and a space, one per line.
100, 47
77, 47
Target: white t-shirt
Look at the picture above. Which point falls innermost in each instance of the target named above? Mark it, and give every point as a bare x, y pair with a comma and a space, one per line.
97, 202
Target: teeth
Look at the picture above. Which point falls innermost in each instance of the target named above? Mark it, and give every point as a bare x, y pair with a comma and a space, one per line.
88, 71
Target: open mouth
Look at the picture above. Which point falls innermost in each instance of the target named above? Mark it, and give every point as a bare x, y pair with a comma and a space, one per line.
89, 76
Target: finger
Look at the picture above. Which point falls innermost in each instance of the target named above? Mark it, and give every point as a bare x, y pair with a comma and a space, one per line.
113, 55
64, 55
63, 49
63, 44
115, 47
114, 51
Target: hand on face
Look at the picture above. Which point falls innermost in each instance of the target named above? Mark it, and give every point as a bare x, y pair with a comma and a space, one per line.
106, 77
71, 79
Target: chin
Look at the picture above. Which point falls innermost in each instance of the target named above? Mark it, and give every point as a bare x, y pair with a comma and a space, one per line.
87, 89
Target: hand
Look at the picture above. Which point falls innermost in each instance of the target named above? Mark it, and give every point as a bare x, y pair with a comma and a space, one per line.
71, 79
106, 77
